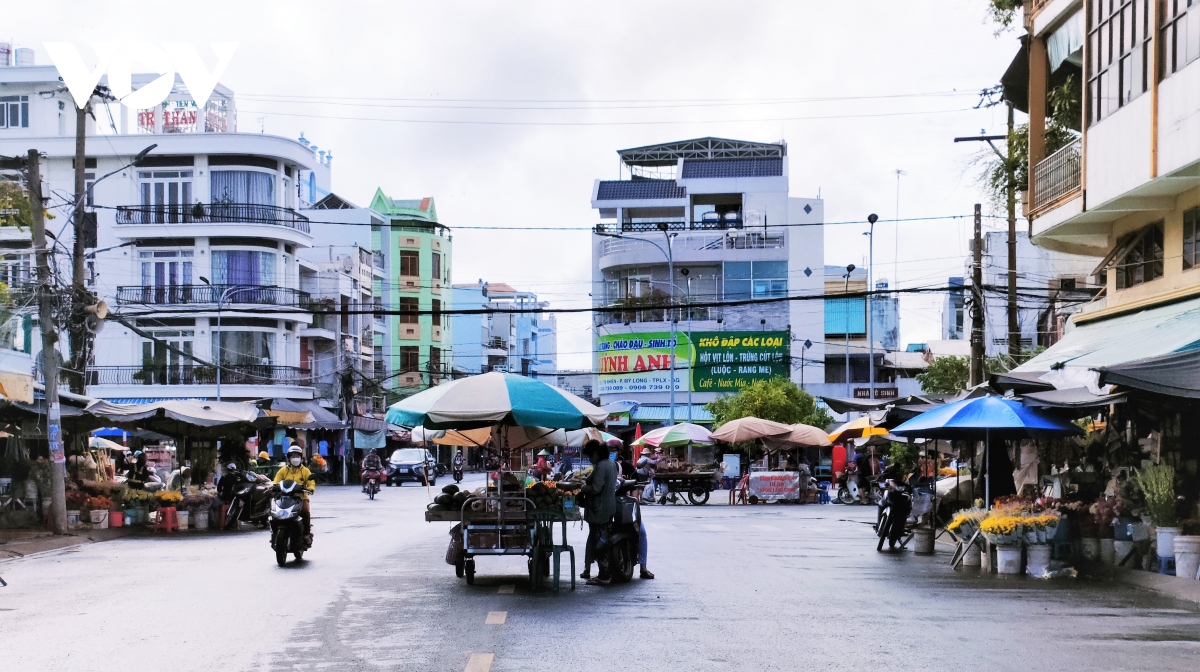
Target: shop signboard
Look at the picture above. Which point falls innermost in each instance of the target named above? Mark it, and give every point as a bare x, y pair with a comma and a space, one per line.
725, 361
773, 486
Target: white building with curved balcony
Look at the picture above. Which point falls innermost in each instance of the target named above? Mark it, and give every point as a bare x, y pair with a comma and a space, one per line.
195, 249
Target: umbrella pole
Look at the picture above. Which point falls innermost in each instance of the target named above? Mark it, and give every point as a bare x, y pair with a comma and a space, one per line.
987, 469
425, 472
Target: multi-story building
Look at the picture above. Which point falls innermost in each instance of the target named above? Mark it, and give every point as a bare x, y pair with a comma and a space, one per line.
1128, 188
846, 332
1051, 287
196, 247
516, 342
748, 259
417, 255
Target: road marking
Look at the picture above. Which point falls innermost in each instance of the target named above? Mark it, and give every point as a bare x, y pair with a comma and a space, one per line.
480, 662
496, 618
662, 526
766, 528
506, 589
715, 528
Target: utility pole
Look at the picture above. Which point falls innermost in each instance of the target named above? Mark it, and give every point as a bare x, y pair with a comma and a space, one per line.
77, 335
1014, 329
977, 300
48, 327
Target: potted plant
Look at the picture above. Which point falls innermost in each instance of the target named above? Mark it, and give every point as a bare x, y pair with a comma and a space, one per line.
1158, 487
1105, 513
1005, 532
76, 501
137, 505
1187, 549
199, 506
98, 506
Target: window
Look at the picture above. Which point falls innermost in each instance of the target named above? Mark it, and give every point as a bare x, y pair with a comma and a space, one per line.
167, 360
737, 280
166, 276
243, 348
166, 196
437, 266
408, 310
243, 267
1118, 55
844, 316
758, 279
14, 111
437, 313
410, 263
242, 187
435, 359
1180, 34
410, 358
1191, 238
1140, 258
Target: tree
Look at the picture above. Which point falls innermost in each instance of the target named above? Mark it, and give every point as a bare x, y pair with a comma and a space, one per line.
777, 399
946, 375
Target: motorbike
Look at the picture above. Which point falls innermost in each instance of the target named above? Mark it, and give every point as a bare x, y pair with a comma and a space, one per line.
624, 535
894, 508
248, 495
849, 492
371, 478
287, 528
458, 473
439, 469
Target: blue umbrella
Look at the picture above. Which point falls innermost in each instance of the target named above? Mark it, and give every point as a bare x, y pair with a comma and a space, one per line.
984, 418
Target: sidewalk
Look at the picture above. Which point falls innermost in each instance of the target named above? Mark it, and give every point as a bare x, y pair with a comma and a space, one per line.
20, 543
1170, 586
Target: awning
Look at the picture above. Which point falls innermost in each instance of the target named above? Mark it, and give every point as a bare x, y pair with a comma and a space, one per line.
305, 414
365, 424
1019, 382
1065, 44
1076, 397
1176, 374
1153, 332
198, 413
662, 413
370, 440
1015, 79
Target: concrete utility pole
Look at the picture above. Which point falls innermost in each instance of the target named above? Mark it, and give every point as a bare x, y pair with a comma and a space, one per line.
872, 218
48, 327
1014, 329
977, 300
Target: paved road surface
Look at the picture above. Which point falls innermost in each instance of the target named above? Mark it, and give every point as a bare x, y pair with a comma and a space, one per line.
738, 588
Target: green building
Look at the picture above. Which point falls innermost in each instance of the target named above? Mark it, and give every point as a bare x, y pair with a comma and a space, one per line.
417, 254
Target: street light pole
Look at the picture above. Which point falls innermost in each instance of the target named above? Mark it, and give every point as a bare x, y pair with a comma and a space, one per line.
217, 334
691, 362
872, 218
846, 328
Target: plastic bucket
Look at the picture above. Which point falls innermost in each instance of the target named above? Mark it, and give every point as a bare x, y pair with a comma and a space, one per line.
1008, 559
1166, 541
1037, 559
1089, 548
1187, 556
116, 519
182, 516
923, 541
972, 557
201, 519
1107, 551
72, 517
1122, 549
100, 519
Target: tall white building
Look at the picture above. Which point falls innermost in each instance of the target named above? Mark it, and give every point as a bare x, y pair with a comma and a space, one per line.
516, 342
196, 248
721, 210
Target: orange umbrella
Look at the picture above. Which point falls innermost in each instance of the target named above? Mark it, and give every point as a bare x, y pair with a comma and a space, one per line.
855, 429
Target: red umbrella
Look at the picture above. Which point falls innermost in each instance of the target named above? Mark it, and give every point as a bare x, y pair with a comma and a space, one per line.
637, 450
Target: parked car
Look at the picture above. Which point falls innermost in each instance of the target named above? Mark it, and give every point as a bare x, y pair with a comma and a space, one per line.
411, 464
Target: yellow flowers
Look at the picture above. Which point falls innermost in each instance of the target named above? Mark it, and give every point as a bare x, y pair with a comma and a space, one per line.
168, 498
966, 519
1042, 522
1001, 525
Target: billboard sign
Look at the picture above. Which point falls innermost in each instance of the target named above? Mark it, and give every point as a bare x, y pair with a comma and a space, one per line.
724, 361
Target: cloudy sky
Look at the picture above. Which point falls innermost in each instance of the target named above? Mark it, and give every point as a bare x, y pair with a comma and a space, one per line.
505, 112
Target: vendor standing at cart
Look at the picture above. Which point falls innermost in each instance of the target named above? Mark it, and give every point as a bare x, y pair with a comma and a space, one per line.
601, 491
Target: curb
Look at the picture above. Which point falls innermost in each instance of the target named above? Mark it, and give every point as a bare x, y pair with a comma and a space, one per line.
1169, 586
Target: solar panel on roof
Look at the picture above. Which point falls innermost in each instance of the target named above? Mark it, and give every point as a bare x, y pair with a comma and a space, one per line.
694, 169
619, 190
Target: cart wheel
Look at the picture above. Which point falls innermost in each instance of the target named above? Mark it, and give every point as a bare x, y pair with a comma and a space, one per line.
469, 568
698, 495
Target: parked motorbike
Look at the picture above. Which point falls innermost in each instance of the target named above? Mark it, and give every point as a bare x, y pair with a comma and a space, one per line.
849, 491
894, 508
248, 495
287, 528
371, 480
440, 469
623, 536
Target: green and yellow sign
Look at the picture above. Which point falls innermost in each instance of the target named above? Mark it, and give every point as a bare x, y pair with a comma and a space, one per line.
711, 361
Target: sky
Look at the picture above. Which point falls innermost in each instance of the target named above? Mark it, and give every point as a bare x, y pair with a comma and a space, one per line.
506, 112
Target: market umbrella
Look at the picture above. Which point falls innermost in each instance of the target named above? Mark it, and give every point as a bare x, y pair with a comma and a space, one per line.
672, 436
577, 438
855, 429
750, 429
495, 399
519, 438
985, 418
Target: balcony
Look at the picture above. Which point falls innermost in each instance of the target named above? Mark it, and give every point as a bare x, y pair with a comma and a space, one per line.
1056, 177
377, 260
213, 213
645, 227
210, 294
231, 374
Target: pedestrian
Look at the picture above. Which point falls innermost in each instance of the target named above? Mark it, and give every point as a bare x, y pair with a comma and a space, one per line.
647, 465
600, 488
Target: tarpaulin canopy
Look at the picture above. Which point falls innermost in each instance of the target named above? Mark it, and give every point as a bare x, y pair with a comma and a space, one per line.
1075, 397
301, 414
189, 412
576, 438
519, 438
1176, 374
495, 399
750, 429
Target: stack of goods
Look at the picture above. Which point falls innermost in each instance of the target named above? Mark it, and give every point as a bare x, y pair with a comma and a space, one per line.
451, 499
546, 496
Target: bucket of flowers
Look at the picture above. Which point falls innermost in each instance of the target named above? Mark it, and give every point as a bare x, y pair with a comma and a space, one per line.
1003, 530
966, 523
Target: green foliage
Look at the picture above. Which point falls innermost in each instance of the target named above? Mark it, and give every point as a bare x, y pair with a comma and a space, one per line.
946, 375
777, 399
1004, 12
13, 197
904, 456
1003, 363
1158, 486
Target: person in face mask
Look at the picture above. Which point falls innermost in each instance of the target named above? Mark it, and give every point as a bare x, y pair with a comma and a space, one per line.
295, 470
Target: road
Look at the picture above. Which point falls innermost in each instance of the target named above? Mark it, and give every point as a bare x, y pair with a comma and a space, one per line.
738, 588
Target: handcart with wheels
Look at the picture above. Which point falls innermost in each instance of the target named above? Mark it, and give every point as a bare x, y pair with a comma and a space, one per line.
697, 486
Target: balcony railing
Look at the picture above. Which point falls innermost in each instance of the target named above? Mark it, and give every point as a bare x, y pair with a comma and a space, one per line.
644, 227
1057, 176
231, 374
377, 260
210, 294
199, 213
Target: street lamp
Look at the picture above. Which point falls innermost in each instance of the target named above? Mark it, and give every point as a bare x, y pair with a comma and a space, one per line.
691, 357
872, 218
668, 252
87, 195
220, 302
846, 328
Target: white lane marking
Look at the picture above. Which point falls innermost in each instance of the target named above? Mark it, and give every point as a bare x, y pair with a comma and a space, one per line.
496, 618
506, 589
662, 526
480, 662
766, 528
714, 528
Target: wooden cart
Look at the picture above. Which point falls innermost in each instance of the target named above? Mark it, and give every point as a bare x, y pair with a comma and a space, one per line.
696, 485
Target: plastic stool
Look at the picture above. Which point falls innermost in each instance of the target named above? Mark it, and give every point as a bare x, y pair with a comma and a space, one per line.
168, 519
823, 496
1167, 565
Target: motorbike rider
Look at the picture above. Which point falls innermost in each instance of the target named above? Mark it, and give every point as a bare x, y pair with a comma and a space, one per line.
601, 491
371, 462
459, 461
294, 470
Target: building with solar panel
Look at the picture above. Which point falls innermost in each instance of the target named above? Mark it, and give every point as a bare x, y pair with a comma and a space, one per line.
703, 235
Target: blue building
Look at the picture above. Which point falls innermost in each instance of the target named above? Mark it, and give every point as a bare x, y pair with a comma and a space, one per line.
524, 343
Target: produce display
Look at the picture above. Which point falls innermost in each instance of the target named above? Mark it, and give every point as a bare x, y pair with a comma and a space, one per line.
452, 499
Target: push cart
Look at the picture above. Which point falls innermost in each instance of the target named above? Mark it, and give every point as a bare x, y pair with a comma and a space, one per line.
696, 485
